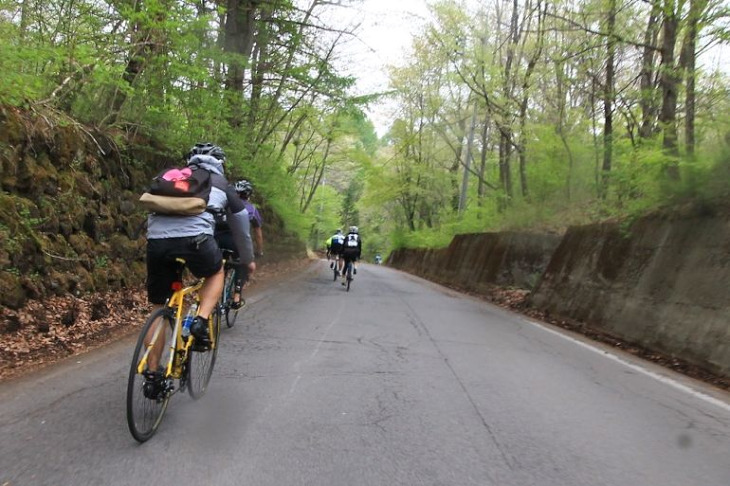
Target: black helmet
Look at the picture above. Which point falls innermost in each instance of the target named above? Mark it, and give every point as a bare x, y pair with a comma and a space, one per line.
207, 148
244, 188
339, 231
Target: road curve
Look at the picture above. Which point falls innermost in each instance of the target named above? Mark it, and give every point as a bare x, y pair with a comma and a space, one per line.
398, 382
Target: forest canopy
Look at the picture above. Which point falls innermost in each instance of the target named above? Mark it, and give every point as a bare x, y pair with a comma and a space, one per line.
521, 114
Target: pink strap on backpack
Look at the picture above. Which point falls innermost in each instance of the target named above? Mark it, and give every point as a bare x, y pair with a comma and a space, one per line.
177, 174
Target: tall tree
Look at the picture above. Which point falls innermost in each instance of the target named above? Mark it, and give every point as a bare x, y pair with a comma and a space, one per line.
669, 80
608, 97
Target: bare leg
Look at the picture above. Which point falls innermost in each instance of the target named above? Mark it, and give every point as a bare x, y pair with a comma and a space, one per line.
153, 359
209, 293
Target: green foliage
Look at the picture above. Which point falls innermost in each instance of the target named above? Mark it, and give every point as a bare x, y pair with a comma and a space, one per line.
463, 69
293, 127
17, 85
324, 219
101, 261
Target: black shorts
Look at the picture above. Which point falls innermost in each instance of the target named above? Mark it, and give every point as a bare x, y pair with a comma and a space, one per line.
202, 256
336, 250
350, 256
225, 242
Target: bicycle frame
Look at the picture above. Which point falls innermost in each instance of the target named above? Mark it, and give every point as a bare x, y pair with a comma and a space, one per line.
175, 305
229, 287
149, 388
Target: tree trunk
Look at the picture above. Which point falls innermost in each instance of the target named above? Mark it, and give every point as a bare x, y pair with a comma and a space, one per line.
687, 61
646, 77
467, 161
608, 101
262, 64
594, 135
670, 85
560, 128
505, 175
238, 39
24, 16
481, 189
454, 169
523, 150
317, 179
145, 41
526, 97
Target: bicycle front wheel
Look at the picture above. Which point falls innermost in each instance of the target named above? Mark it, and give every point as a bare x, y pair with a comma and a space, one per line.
147, 399
201, 363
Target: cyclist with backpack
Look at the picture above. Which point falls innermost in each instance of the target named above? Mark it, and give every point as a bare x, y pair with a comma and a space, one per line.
172, 235
351, 250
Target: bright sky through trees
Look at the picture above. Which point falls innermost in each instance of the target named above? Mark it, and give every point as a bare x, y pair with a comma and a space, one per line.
385, 31
386, 28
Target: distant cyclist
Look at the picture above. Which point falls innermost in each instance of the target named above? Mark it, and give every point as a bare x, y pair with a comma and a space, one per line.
351, 250
334, 249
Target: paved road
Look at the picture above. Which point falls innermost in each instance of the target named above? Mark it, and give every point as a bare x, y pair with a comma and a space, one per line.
399, 382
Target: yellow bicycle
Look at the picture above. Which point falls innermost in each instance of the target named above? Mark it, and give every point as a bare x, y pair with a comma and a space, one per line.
164, 355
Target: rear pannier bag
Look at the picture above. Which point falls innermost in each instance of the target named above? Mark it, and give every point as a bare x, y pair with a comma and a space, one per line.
178, 191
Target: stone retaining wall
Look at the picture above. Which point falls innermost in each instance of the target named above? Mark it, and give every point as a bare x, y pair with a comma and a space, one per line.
476, 261
663, 283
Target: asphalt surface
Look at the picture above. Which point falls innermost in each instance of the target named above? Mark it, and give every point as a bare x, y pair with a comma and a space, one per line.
398, 382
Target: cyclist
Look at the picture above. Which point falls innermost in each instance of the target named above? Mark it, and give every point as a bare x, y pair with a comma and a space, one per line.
191, 237
244, 189
351, 249
334, 249
224, 237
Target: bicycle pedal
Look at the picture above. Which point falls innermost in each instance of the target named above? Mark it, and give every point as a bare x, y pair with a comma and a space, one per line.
238, 305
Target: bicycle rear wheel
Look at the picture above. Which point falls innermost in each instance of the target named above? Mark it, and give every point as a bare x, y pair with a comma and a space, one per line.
200, 364
147, 405
229, 289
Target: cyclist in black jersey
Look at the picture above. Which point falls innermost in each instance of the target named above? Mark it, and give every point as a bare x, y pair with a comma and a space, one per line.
351, 251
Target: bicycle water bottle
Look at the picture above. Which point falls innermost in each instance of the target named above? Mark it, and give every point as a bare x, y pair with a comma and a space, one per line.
188, 320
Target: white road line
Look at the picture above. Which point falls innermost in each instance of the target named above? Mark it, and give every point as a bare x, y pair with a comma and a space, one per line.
664, 379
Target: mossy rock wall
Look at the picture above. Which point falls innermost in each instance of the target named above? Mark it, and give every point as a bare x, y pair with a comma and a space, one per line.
68, 218
69, 221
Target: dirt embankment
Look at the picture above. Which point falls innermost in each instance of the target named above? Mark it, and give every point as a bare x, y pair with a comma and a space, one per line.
659, 288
